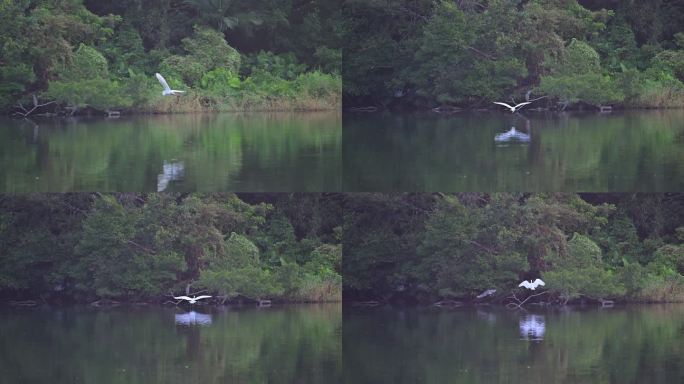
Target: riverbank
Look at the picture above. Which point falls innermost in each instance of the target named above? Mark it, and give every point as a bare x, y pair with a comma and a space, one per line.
196, 102
580, 107
309, 92
322, 292
651, 289
669, 293
213, 302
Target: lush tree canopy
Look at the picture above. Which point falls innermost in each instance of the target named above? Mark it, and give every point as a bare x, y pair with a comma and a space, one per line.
64, 51
468, 53
429, 246
144, 246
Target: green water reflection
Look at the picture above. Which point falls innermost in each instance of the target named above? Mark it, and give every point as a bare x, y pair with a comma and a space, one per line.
213, 152
634, 151
489, 345
295, 344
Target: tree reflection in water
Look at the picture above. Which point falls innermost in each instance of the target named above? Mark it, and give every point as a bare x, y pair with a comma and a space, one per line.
637, 344
292, 344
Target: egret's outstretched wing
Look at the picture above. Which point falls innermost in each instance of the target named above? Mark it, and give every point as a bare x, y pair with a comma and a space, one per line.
202, 297
504, 104
525, 284
539, 282
182, 298
163, 82
522, 104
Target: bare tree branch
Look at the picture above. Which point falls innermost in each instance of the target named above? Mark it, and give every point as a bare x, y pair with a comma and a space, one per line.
26, 112
520, 303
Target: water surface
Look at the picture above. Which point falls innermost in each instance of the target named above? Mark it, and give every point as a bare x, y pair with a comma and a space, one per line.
642, 344
570, 152
196, 152
293, 344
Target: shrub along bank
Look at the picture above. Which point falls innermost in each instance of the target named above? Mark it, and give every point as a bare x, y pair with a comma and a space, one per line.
81, 56
424, 54
429, 247
144, 247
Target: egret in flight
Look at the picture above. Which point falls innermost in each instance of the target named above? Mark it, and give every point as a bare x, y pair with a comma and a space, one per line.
532, 284
515, 108
167, 90
191, 300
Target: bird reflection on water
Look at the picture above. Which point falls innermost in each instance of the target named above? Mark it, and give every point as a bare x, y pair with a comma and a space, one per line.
171, 171
532, 327
512, 135
193, 318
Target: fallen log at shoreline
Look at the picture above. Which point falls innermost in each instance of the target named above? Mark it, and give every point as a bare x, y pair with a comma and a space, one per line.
105, 303
447, 303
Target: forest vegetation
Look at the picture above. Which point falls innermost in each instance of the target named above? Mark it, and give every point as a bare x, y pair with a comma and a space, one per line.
427, 247
468, 53
229, 55
134, 247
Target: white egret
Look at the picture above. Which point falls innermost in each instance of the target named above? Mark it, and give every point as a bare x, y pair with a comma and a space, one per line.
532, 284
191, 300
515, 108
167, 90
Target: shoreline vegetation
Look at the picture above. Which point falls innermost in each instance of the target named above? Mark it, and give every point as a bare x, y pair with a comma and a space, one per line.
108, 249
448, 55
450, 249
65, 58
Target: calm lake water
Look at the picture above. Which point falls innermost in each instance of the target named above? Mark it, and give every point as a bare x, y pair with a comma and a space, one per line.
590, 152
292, 344
211, 152
494, 345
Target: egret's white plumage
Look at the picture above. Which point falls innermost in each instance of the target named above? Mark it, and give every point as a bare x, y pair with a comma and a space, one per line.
167, 90
514, 108
191, 300
532, 284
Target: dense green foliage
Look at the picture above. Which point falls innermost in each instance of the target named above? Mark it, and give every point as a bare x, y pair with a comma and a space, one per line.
65, 51
429, 246
137, 246
410, 53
